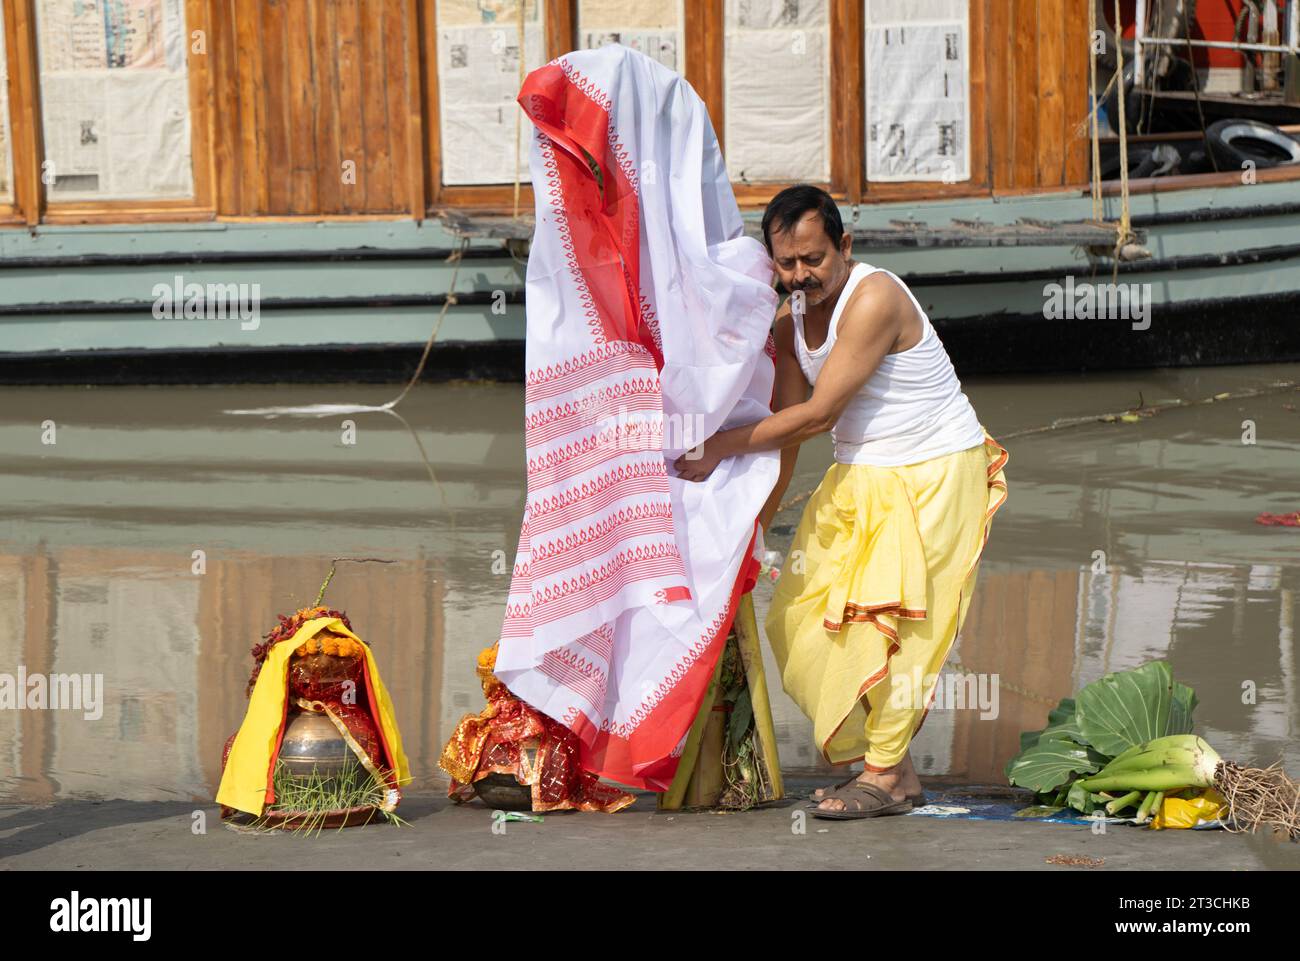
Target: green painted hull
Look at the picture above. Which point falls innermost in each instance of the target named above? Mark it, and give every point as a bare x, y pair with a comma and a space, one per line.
77, 303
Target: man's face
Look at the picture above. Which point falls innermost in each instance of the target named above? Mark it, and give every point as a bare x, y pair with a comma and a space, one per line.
806, 259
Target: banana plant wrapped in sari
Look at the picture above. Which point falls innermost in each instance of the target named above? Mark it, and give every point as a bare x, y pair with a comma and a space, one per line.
648, 314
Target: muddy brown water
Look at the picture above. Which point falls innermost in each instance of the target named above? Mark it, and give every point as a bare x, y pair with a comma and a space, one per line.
156, 539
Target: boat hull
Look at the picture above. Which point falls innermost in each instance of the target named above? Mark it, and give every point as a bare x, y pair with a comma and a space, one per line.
357, 301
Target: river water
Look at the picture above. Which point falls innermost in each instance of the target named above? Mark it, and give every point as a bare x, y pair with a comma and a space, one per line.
155, 540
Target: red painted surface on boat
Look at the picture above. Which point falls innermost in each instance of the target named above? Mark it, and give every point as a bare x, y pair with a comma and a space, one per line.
1215, 20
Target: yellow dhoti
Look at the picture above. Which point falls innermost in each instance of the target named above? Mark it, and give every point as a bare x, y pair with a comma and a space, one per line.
873, 591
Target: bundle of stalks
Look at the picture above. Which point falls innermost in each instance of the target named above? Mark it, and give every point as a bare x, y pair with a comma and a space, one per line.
1125, 741
729, 761
745, 778
1253, 797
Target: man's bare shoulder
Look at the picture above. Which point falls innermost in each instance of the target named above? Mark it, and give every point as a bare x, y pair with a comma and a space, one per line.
877, 292
877, 305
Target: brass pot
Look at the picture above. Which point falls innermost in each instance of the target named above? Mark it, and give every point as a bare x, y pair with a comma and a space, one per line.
312, 744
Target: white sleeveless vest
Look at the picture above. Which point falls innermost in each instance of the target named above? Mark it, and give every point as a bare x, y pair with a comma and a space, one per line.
911, 409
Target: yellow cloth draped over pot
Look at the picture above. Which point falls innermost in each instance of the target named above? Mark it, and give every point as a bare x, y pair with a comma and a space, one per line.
873, 591
246, 780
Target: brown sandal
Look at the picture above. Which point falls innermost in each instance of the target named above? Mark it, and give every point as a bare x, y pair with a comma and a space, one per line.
862, 801
918, 799
815, 799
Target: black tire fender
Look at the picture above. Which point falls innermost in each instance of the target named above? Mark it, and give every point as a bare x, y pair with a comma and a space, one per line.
1236, 142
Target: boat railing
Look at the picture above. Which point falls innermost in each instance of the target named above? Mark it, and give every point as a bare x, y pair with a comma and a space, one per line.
1293, 49
1141, 41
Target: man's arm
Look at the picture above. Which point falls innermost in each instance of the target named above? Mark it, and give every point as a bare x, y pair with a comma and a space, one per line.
869, 327
791, 388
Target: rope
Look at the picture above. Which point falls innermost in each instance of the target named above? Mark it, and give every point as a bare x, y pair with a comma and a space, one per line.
521, 4
325, 410
1098, 212
959, 668
1125, 232
455, 258
1135, 413
1098, 206
1196, 91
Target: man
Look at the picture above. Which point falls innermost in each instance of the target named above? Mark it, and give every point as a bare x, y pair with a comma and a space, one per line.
881, 569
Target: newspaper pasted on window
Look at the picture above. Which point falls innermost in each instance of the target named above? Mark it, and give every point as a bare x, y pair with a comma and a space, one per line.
654, 27
478, 80
777, 90
917, 90
114, 99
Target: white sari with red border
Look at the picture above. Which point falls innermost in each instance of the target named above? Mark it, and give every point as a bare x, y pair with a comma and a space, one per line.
648, 315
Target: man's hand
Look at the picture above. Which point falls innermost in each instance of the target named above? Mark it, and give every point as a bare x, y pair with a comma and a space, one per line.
699, 462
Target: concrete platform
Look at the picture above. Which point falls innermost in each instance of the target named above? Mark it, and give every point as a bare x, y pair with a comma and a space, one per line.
443, 836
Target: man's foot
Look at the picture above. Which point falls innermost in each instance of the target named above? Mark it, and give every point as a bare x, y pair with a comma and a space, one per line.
900, 781
889, 782
821, 792
861, 799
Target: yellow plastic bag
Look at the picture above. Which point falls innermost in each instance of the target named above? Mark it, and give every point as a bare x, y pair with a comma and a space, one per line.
1204, 808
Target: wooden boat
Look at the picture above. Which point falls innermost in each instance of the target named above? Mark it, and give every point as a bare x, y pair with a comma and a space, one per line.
354, 292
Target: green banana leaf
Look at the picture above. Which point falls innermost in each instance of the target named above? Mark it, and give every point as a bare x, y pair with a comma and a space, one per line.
1180, 711
738, 725
1106, 718
1060, 725
1127, 708
1063, 722
1079, 799
1050, 763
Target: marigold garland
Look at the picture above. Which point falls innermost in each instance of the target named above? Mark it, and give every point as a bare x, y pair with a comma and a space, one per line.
287, 628
328, 642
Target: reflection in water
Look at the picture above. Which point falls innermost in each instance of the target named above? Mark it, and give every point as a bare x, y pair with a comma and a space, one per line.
1226, 629
157, 539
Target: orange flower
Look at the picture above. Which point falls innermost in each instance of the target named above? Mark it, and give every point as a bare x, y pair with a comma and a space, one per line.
328, 642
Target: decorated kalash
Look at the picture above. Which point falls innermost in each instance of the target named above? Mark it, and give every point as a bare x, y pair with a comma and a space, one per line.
514, 758
319, 746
